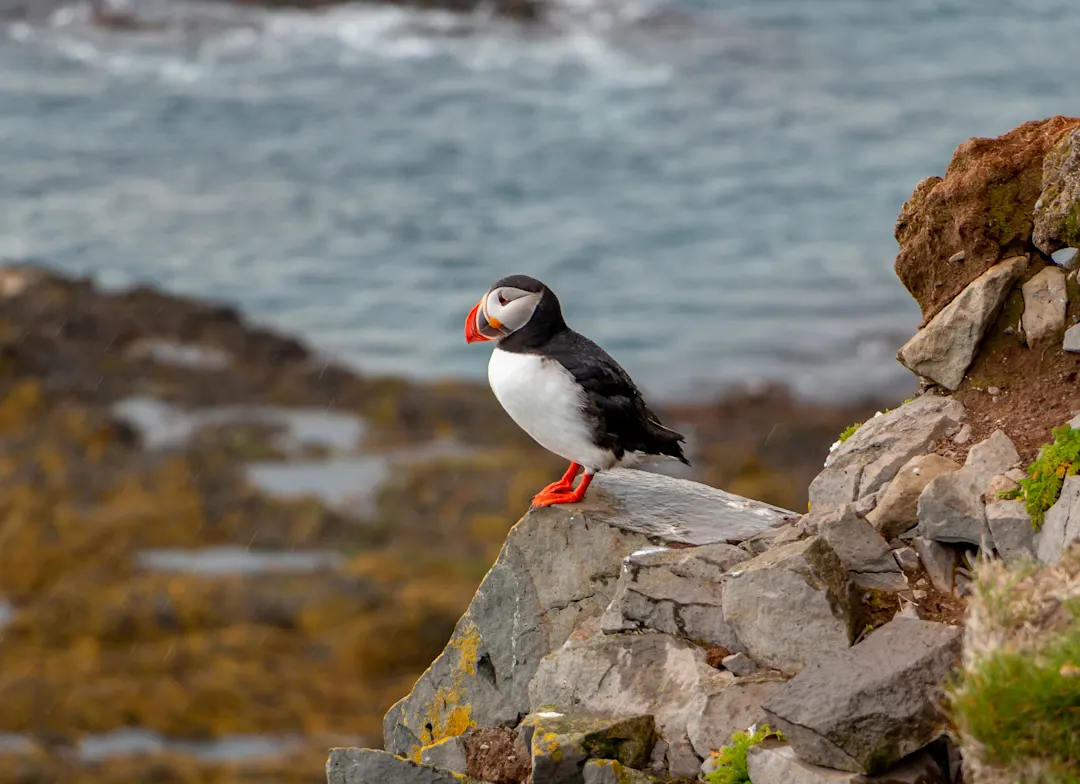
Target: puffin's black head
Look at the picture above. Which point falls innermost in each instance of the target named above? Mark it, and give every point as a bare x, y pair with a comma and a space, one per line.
516, 305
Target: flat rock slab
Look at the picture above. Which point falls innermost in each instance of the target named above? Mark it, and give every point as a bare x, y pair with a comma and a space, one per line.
558, 567
676, 591
1011, 528
611, 772
776, 763
792, 604
369, 766
630, 675
561, 743
864, 709
873, 455
943, 350
1061, 525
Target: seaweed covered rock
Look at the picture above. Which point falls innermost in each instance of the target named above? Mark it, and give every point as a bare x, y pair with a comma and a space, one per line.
1015, 703
982, 208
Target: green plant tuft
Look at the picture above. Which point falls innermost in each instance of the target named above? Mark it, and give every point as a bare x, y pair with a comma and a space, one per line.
732, 758
848, 432
1057, 460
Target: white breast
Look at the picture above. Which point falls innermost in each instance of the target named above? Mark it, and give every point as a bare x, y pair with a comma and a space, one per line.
543, 399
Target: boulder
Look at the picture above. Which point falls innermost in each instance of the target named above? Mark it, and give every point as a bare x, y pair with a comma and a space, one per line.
1056, 215
1044, 305
1014, 535
1061, 526
951, 507
728, 705
676, 591
611, 772
489, 754
775, 763
897, 512
983, 206
862, 550
868, 707
792, 604
943, 350
448, 754
368, 766
879, 448
558, 567
561, 744
630, 675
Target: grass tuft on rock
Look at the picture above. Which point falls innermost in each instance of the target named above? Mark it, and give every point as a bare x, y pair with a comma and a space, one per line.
848, 432
1046, 475
732, 758
1016, 701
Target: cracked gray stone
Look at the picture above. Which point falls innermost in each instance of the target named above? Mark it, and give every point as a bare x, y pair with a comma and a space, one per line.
727, 705
561, 744
676, 591
773, 762
1014, 535
943, 350
866, 708
862, 550
938, 560
879, 448
792, 604
631, 674
369, 766
951, 508
556, 571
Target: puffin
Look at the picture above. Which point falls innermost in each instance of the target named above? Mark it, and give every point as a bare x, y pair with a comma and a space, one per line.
562, 389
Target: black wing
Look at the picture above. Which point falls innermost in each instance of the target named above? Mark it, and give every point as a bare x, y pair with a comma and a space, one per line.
623, 422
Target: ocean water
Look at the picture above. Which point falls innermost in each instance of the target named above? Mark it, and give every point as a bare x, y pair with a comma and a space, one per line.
710, 187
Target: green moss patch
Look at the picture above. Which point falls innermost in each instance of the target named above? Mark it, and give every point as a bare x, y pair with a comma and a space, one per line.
1046, 475
732, 758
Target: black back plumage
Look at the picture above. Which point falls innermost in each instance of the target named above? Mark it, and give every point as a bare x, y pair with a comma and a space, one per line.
622, 421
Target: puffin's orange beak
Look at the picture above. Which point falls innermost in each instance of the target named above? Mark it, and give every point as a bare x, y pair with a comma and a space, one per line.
472, 330
478, 327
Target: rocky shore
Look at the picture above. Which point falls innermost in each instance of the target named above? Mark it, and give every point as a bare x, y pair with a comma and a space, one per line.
917, 625
222, 553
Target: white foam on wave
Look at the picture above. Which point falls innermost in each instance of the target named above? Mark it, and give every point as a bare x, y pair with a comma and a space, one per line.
242, 45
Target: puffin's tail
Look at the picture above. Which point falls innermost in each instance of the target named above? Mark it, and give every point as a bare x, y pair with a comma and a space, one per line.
667, 441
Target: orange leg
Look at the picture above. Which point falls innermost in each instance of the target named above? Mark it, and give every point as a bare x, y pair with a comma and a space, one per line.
564, 485
564, 497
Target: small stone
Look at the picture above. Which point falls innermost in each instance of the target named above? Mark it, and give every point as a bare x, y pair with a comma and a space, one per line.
866, 708
939, 562
957, 257
1068, 258
993, 391
561, 744
447, 754
963, 436
606, 771
1002, 483
369, 766
906, 558
1072, 339
740, 664
1045, 300
1010, 331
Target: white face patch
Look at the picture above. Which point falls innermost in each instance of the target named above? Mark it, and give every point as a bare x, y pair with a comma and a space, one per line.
510, 308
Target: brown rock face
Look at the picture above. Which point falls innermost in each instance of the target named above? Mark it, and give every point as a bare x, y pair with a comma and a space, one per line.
982, 207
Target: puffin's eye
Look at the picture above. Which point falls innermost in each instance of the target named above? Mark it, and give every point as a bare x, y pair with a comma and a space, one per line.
503, 300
